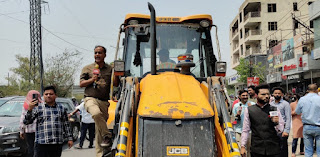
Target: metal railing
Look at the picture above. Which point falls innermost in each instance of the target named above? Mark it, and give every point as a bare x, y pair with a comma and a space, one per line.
234, 32
252, 14
235, 46
253, 32
255, 50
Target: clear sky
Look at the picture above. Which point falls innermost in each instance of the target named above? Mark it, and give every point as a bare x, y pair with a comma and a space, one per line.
82, 24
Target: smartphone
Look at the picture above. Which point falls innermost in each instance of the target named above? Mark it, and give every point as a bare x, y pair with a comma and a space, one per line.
35, 96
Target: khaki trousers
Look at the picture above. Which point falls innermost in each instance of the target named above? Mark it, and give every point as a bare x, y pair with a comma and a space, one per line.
99, 111
238, 138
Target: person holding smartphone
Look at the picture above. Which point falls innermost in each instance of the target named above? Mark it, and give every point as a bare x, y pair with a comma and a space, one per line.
28, 131
52, 124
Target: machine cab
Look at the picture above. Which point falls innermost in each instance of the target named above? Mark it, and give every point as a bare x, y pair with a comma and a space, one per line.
175, 36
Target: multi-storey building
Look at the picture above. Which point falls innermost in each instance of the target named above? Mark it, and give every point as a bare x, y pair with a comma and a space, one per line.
261, 24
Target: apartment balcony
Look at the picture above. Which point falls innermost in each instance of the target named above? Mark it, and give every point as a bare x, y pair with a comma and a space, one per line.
235, 62
253, 36
235, 47
235, 35
252, 18
253, 51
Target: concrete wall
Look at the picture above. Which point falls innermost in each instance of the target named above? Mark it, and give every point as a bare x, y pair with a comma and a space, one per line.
282, 16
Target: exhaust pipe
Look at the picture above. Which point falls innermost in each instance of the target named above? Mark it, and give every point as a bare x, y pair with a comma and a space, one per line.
153, 39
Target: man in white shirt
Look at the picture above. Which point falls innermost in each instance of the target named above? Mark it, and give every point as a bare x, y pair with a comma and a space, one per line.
87, 123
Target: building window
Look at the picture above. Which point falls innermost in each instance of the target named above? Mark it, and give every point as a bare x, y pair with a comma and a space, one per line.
272, 26
296, 24
240, 33
240, 15
295, 6
241, 47
309, 3
272, 7
311, 24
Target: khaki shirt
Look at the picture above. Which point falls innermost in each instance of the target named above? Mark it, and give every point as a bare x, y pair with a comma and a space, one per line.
103, 84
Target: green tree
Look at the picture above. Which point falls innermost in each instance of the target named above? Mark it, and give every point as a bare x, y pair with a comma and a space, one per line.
59, 71
21, 75
243, 69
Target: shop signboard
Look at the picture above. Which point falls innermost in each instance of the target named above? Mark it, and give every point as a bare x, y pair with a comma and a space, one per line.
292, 77
316, 53
298, 44
277, 56
309, 63
287, 49
252, 81
275, 77
300, 64
270, 59
290, 67
233, 79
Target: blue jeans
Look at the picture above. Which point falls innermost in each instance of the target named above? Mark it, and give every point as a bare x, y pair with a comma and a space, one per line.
311, 133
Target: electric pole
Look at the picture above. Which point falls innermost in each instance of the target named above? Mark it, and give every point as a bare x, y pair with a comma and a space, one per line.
36, 62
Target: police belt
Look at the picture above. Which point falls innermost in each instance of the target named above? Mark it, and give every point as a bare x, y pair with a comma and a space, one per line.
311, 124
97, 98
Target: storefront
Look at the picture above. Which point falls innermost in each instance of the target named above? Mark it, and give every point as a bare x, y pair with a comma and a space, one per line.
274, 79
300, 72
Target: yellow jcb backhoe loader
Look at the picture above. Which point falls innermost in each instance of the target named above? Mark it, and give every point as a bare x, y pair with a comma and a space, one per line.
165, 110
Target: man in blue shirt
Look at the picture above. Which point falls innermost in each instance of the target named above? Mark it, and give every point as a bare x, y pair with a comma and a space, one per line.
52, 123
238, 113
285, 111
309, 106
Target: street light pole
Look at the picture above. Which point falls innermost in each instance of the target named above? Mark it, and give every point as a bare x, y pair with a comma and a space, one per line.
250, 62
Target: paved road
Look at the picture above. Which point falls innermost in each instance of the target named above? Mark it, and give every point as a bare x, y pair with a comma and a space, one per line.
84, 152
298, 147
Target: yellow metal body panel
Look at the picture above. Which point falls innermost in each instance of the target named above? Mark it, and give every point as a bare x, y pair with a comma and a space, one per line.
129, 139
220, 137
169, 19
111, 110
173, 95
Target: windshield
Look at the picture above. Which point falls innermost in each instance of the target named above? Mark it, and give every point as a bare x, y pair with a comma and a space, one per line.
11, 109
172, 40
2, 102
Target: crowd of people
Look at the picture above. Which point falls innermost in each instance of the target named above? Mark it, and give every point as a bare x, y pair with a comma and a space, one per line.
44, 123
262, 120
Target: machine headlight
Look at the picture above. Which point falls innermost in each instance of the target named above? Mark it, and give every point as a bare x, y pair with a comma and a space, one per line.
133, 22
10, 129
221, 68
204, 23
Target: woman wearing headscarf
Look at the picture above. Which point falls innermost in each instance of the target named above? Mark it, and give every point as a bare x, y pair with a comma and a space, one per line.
28, 131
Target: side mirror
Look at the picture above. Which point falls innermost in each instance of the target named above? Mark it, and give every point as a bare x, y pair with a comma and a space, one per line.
221, 69
119, 68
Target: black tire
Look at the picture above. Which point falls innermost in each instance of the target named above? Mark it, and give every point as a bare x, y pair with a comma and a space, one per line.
75, 132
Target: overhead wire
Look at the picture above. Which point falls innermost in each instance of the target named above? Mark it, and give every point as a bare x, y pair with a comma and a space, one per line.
278, 26
49, 32
78, 21
16, 12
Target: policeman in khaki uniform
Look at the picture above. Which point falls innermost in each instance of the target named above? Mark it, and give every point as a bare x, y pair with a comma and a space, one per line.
96, 78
